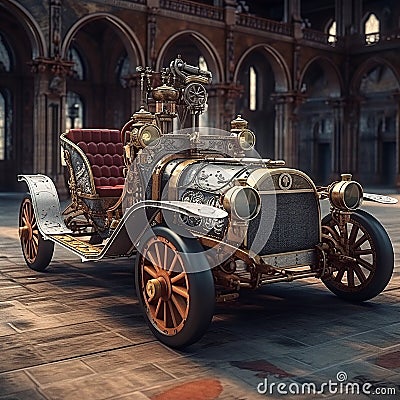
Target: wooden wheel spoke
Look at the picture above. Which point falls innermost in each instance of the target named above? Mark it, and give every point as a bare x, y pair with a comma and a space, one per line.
339, 275
172, 312
173, 262
158, 307
35, 240
181, 309
165, 319
31, 250
353, 233
360, 241
24, 220
178, 277
28, 248
25, 212
165, 261
363, 252
30, 211
365, 264
350, 277
158, 255
26, 217
360, 274
345, 232
332, 231
181, 291
151, 259
150, 271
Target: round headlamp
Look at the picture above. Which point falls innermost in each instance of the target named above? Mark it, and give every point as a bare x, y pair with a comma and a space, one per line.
243, 202
148, 135
247, 139
346, 195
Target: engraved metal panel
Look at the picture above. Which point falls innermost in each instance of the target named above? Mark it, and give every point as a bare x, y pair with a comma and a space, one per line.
292, 259
45, 204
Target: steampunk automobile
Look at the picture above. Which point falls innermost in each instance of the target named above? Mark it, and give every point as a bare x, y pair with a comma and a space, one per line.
202, 214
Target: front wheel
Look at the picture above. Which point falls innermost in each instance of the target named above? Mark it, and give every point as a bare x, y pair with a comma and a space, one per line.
37, 251
177, 302
361, 257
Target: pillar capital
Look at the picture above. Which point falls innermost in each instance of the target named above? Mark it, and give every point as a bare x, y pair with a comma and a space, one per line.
54, 66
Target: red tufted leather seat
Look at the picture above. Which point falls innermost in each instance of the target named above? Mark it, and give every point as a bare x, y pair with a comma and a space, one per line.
104, 150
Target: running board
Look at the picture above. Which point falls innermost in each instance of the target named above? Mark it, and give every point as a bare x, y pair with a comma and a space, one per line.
125, 238
136, 221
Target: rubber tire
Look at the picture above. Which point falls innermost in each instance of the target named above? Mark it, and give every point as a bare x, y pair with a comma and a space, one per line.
45, 247
202, 292
384, 260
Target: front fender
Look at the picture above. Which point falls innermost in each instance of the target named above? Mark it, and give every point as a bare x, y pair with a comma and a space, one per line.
138, 219
46, 205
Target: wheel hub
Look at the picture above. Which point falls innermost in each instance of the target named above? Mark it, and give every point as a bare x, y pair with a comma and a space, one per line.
157, 288
25, 232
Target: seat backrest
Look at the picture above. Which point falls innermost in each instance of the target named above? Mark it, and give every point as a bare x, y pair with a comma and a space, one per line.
104, 150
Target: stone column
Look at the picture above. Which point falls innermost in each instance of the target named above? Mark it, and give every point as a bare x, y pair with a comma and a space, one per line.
339, 150
351, 118
225, 95
134, 86
397, 97
292, 11
286, 126
348, 14
152, 7
49, 115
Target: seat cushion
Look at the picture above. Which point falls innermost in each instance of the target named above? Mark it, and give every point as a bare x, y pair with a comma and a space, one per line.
109, 191
104, 152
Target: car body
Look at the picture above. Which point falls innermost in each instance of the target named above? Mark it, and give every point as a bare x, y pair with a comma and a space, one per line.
204, 216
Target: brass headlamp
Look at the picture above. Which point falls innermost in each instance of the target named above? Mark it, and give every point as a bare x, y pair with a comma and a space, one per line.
346, 195
246, 138
243, 202
146, 135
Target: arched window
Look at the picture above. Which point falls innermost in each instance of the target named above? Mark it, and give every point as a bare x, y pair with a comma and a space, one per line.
203, 64
203, 120
5, 121
79, 70
2, 126
74, 111
123, 70
372, 27
252, 89
332, 32
5, 56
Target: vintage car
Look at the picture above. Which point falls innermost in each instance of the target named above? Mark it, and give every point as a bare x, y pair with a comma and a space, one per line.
203, 216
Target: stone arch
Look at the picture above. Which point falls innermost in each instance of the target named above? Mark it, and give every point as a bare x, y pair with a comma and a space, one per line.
279, 67
331, 81
367, 67
32, 29
320, 121
128, 37
24, 41
262, 73
203, 44
191, 45
374, 84
102, 89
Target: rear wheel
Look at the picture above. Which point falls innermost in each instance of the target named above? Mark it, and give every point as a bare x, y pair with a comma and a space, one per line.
361, 257
177, 302
37, 251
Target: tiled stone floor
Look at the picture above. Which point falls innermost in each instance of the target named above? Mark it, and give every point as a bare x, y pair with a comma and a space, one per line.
76, 332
